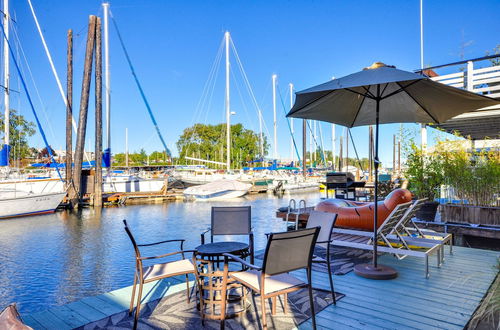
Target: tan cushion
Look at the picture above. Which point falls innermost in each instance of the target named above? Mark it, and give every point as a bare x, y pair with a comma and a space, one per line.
9, 319
167, 269
272, 283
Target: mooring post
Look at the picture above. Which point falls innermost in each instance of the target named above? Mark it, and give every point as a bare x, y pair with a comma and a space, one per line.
69, 116
98, 116
84, 105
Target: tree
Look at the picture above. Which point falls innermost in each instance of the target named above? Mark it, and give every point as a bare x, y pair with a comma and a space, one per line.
44, 153
209, 142
20, 130
157, 157
496, 51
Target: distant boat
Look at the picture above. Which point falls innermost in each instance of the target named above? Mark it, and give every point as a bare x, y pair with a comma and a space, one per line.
221, 189
16, 204
132, 183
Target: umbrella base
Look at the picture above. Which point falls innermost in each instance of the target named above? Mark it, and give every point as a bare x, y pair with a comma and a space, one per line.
380, 272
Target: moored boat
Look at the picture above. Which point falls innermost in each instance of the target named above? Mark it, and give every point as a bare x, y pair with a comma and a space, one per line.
16, 203
221, 189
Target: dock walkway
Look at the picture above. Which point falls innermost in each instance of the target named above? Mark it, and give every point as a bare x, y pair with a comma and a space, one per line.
446, 300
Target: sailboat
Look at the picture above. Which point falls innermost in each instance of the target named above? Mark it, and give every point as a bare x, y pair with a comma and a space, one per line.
20, 196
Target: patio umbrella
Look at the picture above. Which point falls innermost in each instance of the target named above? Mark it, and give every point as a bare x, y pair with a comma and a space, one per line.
383, 94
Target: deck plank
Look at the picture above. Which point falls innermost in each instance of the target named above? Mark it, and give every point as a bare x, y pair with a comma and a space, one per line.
446, 300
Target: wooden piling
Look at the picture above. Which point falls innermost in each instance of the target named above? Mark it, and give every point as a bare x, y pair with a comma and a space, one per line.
84, 105
98, 116
394, 156
69, 114
399, 157
341, 154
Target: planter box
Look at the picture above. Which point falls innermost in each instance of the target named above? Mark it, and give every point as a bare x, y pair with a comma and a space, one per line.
480, 215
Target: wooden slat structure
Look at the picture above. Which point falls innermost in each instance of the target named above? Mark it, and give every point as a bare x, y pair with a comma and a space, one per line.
446, 300
482, 123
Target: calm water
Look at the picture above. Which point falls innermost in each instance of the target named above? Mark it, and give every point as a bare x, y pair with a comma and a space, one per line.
55, 259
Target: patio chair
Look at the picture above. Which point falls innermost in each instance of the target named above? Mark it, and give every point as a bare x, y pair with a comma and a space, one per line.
285, 252
157, 271
398, 245
231, 220
409, 230
326, 221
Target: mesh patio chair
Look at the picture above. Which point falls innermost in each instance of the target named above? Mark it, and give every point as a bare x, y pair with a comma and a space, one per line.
231, 220
325, 221
157, 271
285, 252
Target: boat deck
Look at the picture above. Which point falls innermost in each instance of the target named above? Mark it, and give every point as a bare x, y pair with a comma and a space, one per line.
446, 300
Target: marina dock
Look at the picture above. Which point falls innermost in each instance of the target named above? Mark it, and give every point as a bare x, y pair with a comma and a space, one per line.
447, 300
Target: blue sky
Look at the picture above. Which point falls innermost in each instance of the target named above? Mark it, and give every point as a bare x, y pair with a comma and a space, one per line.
173, 45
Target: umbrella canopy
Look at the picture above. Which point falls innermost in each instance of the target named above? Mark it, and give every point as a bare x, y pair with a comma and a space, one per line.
383, 94
405, 97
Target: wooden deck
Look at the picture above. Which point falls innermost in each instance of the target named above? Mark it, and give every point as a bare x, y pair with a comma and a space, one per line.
446, 300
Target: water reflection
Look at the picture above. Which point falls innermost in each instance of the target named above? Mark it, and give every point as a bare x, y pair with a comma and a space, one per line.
54, 259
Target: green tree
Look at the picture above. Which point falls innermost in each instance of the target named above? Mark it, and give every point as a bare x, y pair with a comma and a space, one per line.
157, 157
20, 130
209, 142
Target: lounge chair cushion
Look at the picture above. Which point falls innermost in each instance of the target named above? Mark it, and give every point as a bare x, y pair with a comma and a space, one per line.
272, 283
167, 269
9, 319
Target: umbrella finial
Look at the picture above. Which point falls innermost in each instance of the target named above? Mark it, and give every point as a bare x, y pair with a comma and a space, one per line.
377, 65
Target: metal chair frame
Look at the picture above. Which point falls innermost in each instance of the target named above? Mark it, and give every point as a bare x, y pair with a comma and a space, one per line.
139, 279
248, 233
264, 273
328, 242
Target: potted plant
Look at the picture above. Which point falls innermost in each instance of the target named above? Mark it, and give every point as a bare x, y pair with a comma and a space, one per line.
474, 178
424, 171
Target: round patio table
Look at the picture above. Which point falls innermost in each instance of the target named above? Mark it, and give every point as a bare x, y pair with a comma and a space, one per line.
211, 282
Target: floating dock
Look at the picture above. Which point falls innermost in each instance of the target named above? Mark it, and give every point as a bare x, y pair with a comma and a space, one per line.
447, 300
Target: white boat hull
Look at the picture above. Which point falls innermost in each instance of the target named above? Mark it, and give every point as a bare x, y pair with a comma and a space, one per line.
218, 196
16, 204
218, 190
35, 186
117, 185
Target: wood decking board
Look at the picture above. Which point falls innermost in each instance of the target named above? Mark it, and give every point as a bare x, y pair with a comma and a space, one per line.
444, 301
454, 297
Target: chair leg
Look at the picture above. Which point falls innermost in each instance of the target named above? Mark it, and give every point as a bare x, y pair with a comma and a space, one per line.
285, 303
331, 281
138, 307
426, 266
187, 292
273, 307
311, 300
263, 310
132, 299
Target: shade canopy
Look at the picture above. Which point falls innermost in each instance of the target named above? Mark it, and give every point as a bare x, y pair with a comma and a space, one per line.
405, 97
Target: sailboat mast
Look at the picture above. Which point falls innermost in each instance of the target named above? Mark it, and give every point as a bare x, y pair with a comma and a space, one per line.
6, 80
261, 139
228, 113
274, 117
291, 123
107, 100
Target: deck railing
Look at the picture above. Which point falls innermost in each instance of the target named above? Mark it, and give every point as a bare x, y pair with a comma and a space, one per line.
480, 75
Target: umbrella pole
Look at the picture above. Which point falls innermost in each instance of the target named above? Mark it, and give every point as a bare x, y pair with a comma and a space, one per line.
374, 270
375, 193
